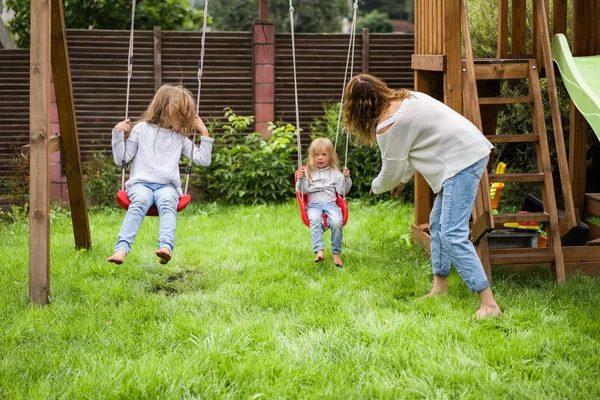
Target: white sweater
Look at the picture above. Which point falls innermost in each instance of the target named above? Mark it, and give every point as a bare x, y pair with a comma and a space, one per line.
427, 136
323, 186
156, 152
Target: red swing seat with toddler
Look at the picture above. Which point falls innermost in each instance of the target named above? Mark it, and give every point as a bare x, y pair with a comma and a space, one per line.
302, 200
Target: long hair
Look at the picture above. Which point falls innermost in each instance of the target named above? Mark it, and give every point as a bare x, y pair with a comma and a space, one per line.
181, 111
366, 99
317, 146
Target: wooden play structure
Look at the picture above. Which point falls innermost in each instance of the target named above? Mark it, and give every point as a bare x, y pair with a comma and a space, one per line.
49, 57
472, 87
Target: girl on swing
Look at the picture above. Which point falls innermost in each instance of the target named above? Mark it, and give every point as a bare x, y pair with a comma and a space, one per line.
415, 132
154, 147
321, 180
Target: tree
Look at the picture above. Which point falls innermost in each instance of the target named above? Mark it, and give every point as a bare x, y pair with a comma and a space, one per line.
110, 14
376, 22
395, 9
309, 15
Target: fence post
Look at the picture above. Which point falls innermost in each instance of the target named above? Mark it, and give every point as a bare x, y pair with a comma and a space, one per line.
263, 40
365, 50
157, 58
58, 181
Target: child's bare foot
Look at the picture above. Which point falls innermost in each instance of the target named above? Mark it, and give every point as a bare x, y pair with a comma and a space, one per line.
337, 260
488, 311
118, 257
320, 256
164, 255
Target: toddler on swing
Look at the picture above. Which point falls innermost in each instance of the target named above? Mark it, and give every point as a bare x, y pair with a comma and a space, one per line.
321, 180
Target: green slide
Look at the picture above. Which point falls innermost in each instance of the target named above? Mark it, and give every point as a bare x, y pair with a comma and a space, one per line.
581, 76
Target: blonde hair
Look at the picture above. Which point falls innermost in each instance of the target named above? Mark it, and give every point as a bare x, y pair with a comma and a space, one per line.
316, 146
366, 99
181, 109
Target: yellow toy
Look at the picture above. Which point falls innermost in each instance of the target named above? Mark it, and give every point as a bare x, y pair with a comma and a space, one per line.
496, 188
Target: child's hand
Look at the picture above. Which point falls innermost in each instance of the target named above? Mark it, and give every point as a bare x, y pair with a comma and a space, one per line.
123, 126
346, 171
200, 127
301, 172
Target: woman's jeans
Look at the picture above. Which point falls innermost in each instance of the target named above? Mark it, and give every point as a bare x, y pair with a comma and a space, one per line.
314, 212
449, 228
143, 196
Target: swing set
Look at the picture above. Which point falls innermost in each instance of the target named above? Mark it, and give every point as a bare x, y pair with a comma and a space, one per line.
122, 199
302, 198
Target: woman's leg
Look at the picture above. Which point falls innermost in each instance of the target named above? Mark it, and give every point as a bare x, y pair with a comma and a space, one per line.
166, 198
315, 219
440, 262
457, 204
141, 200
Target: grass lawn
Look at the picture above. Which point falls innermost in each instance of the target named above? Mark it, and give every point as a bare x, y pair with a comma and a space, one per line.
242, 312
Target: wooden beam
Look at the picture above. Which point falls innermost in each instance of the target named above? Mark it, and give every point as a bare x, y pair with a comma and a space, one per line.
68, 128
428, 62
54, 147
452, 44
501, 71
39, 128
263, 9
365, 50
502, 51
157, 57
421, 237
592, 203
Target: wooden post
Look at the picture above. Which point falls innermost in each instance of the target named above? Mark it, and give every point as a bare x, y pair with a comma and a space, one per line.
453, 74
39, 139
68, 128
264, 75
263, 9
157, 57
365, 50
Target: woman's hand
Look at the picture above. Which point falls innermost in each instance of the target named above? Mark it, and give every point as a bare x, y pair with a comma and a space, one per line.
397, 190
200, 127
123, 126
301, 172
346, 172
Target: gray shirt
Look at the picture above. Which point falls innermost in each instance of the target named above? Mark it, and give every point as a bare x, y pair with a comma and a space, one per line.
156, 152
323, 186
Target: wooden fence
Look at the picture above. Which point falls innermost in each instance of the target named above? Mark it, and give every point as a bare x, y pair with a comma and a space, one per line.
99, 73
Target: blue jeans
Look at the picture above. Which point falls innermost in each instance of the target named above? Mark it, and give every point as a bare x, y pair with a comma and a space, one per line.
314, 212
449, 228
143, 196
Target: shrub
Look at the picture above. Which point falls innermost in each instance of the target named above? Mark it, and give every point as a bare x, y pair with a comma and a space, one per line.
101, 180
249, 169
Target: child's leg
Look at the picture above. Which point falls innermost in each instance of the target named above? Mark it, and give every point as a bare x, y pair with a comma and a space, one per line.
440, 262
334, 220
315, 218
141, 200
457, 204
166, 198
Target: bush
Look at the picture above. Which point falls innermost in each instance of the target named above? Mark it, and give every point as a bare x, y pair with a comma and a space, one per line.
250, 169
101, 180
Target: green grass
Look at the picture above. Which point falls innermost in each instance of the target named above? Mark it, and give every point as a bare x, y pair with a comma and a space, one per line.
242, 312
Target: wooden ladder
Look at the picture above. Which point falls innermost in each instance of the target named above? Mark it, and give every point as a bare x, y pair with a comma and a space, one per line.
483, 218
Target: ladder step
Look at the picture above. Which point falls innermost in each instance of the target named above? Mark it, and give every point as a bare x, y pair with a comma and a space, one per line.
518, 69
521, 256
512, 138
536, 177
595, 242
528, 217
506, 100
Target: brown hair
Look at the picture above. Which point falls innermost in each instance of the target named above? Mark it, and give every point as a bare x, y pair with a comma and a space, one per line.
181, 109
316, 146
366, 99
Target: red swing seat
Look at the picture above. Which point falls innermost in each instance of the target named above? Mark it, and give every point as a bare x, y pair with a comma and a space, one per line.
303, 199
124, 202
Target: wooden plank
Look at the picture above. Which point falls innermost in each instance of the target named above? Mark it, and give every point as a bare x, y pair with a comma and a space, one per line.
533, 177
506, 100
428, 62
512, 138
592, 203
421, 238
543, 155
519, 30
365, 50
529, 217
452, 44
53, 147
501, 71
39, 184
559, 16
521, 256
68, 128
561, 153
502, 51
595, 242
157, 57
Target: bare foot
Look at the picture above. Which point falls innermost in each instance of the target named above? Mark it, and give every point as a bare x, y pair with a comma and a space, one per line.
118, 257
488, 311
164, 255
440, 286
337, 260
320, 256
